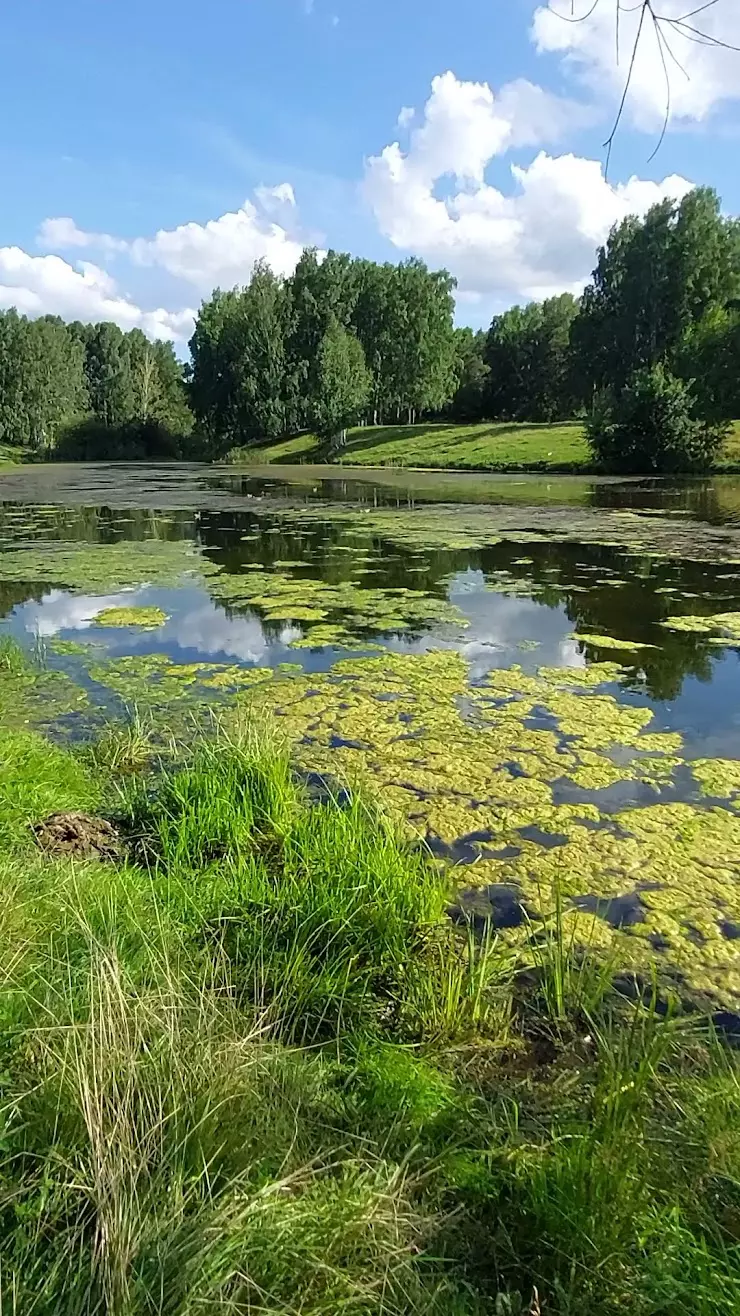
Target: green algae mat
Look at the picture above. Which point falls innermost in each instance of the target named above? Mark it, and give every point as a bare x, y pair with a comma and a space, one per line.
540, 684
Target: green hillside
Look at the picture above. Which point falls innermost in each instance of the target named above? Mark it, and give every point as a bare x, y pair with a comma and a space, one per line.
503, 446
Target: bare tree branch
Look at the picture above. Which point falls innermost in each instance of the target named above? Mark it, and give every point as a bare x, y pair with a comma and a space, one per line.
663, 24
620, 111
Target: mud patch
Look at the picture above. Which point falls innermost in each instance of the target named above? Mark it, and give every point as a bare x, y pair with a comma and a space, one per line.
79, 835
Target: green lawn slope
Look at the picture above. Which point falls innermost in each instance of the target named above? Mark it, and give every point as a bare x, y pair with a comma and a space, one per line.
10, 456
501, 446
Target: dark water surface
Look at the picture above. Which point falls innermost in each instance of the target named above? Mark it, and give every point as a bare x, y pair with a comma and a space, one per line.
714, 499
523, 601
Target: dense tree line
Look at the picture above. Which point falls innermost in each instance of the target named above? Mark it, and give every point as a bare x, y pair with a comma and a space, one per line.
656, 333
89, 390
341, 339
665, 291
344, 341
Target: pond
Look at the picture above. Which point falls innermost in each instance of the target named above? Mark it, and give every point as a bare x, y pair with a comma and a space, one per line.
537, 675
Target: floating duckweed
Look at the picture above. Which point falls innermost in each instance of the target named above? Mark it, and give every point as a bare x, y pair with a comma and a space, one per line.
718, 777
153, 681
71, 648
294, 612
441, 767
453, 761
233, 677
319, 637
595, 674
723, 626
351, 609
33, 696
451, 527
610, 642
147, 619
103, 568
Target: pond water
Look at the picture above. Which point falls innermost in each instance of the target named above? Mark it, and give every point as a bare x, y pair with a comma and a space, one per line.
538, 675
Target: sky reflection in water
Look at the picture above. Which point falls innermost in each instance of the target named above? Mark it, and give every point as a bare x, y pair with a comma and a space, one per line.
522, 601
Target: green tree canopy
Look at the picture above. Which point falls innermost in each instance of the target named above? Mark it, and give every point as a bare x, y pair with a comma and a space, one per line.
472, 372
343, 382
42, 380
654, 279
257, 351
108, 374
528, 354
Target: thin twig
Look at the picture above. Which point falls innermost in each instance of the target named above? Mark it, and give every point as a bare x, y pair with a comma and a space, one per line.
610, 139
660, 21
706, 36
664, 129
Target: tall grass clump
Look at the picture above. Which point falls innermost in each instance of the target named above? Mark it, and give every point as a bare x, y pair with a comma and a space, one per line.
161, 1156
597, 1204
126, 746
12, 659
320, 910
572, 978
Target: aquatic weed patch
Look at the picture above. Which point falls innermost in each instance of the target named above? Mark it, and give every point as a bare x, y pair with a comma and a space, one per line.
102, 568
611, 642
146, 619
481, 770
31, 695
469, 526
344, 609
718, 777
171, 692
722, 628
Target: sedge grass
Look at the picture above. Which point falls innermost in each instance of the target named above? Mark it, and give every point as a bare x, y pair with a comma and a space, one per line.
126, 746
320, 910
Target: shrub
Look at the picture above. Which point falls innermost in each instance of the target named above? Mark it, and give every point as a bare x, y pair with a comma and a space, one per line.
134, 440
649, 426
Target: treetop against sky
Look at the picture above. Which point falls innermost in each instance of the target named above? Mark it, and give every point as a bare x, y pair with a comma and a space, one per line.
159, 151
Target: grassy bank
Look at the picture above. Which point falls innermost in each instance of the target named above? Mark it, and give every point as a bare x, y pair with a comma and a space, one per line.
10, 456
249, 1064
483, 447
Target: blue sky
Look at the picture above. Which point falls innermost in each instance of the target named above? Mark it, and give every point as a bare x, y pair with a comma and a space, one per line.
128, 122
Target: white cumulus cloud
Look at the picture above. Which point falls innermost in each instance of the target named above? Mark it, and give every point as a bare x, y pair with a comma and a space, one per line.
62, 233
222, 251
701, 75
209, 630
61, 611
49, 285
532, 241
270, 197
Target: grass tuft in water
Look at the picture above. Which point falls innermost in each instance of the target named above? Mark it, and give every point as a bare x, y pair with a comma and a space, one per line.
126, 746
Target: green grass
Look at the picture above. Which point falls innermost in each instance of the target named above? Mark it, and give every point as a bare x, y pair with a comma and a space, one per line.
482, 447
253, 1068
495, 447
11, 456
729, 458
